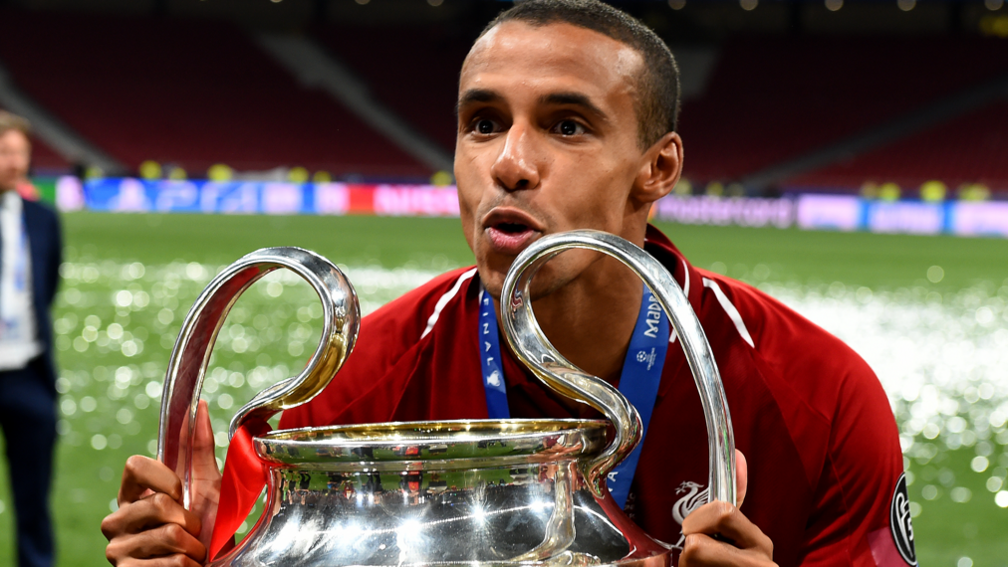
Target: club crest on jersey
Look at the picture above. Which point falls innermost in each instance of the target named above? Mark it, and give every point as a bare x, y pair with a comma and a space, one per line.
899, 522
693, 496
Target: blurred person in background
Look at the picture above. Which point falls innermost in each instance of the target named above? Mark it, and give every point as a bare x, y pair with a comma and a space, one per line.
31, 250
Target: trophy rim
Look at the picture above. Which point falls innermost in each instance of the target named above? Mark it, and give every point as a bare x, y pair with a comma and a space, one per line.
425, 445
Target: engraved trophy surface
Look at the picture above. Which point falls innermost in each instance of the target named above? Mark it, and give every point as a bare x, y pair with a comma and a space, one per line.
475, 492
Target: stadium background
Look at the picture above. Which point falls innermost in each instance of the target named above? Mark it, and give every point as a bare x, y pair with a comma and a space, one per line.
329, 123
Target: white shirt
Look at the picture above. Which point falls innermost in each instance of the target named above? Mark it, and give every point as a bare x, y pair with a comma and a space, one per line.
19, 341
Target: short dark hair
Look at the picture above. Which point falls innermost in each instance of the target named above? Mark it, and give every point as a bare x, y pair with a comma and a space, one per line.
657, 105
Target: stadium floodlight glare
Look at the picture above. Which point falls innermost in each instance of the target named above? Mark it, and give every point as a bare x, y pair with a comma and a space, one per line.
906, 5
834, 5
749, 5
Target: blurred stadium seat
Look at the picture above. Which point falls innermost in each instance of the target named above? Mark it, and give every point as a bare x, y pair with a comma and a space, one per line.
195, 92
771, 99
45, 158
970, 148
411, 69
189, 92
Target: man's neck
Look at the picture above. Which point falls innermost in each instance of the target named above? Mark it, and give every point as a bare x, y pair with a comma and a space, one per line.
590, 319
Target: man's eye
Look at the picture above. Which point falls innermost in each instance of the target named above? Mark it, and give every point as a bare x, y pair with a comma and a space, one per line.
484, 126
569, 128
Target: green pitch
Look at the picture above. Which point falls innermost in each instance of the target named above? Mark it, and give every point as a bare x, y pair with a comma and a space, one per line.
130, 279
792, 255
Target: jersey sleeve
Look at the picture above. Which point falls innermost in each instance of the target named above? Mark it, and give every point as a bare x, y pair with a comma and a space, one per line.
861, 512
842, 426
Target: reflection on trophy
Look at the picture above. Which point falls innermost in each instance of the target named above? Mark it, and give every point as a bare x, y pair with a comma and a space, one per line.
476, 492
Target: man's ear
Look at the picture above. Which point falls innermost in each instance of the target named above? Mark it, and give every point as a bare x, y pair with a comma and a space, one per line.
660, 169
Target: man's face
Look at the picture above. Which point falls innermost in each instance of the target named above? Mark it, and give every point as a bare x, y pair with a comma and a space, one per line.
15, 155
547, 142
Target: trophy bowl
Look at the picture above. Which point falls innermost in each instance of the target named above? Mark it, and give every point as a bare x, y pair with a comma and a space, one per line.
434, 493
473, 492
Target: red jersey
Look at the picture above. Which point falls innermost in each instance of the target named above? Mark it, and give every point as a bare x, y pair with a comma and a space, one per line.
822, 447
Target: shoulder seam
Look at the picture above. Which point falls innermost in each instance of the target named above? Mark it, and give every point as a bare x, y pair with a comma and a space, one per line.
444, 299
730, 310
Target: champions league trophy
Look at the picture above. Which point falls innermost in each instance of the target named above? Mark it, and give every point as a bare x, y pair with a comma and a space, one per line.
476, 492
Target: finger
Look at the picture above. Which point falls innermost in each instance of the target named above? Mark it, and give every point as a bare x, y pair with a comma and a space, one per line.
148, 513
167, 540
727, 521
143, 473
204, 462
703, 550
741, 477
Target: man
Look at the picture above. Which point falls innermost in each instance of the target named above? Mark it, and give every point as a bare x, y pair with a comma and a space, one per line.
566, 119
30, 254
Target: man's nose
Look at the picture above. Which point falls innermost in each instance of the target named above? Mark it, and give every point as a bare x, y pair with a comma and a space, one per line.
517, 165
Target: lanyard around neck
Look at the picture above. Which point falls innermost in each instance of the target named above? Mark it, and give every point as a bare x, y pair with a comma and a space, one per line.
490, 359
639, 380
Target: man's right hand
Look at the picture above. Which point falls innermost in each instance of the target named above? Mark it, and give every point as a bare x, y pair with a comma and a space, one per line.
151, 527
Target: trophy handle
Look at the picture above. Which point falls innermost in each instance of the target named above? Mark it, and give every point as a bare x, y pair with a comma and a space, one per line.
191, 355
533, 348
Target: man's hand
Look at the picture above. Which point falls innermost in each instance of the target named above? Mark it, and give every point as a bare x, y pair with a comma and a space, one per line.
719, 534
151, 527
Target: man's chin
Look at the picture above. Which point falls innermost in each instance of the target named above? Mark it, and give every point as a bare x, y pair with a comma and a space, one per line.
543, 284
555, 274
492, 280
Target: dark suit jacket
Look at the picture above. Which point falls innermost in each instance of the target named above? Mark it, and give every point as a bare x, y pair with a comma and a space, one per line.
45, 241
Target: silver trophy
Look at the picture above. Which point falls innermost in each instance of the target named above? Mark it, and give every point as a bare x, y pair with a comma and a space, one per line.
473, 492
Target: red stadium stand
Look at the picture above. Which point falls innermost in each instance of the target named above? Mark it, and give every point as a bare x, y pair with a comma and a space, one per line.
412, 70
191, 93
194, 93
972, 148
46, 159
771, 99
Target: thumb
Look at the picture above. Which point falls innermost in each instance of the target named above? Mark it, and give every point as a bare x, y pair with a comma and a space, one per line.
741, 477
204, 461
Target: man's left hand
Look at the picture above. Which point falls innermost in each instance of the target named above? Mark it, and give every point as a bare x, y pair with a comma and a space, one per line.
717, 533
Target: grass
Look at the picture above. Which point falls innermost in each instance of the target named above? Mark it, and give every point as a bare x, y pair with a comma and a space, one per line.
114, 387
222, 239
872, 260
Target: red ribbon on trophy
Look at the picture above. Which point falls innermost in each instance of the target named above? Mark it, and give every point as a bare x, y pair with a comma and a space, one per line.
243, 480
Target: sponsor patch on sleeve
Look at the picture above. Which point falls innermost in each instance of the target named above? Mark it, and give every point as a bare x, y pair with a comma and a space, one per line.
893, 545
899, 522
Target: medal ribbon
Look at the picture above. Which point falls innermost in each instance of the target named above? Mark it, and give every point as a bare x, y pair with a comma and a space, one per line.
639, 380
490, 358
243, 481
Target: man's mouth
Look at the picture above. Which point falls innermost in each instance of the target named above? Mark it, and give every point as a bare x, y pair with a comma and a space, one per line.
510, 232
511, 227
